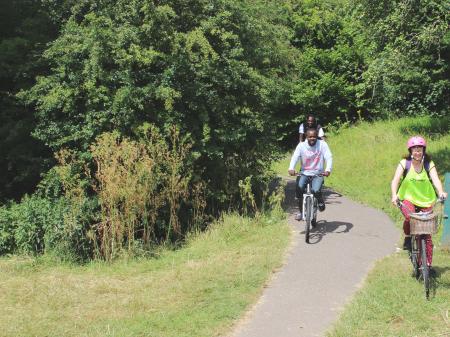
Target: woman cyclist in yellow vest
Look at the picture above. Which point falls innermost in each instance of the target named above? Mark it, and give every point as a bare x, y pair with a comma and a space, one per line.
416, 190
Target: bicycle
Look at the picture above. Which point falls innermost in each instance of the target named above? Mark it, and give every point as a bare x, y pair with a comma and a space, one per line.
421, 225
310, 207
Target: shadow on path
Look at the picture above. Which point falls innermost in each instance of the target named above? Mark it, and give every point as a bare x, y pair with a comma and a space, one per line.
324, 228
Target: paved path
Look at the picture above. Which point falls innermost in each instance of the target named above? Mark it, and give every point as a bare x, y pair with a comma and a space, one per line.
307, 294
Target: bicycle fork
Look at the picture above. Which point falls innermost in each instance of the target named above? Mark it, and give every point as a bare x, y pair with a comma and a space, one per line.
309, 212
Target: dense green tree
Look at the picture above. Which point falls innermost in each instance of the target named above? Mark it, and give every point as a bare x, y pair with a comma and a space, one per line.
407, 53
215, 69
328, 63
369, 59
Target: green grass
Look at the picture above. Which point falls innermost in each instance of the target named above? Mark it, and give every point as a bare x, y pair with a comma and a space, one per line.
199, 290
391, 302
281, 167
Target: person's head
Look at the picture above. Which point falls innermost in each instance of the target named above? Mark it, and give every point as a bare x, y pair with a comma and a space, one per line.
310, 121
311, 136
417, 148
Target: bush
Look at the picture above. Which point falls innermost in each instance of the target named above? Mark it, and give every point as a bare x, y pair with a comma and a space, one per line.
7, 243
30, 217
71, 237
39, 225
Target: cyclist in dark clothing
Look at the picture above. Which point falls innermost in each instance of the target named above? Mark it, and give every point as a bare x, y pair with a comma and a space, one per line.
310, 123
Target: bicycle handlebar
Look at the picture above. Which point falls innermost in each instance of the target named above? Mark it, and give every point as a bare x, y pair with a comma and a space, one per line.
314, 175
400, 204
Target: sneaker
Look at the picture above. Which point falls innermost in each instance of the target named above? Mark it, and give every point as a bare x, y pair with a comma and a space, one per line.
321, 205
298, 216
407, 243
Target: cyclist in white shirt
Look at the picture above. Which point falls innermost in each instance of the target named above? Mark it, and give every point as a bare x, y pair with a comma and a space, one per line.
316, 162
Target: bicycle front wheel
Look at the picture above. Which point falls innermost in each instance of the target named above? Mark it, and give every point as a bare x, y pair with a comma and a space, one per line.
414, 254
308, 217
425, 268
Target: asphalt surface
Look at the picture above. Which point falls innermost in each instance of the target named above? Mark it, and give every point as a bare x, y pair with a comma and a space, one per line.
307, 294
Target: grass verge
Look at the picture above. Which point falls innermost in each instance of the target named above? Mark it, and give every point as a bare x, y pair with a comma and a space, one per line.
391, 302
198, 290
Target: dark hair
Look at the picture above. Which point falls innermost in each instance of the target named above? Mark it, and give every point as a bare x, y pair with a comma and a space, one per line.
312, 129
426, 156
306, 121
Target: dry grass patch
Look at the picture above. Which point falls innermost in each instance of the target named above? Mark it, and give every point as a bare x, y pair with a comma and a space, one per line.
198, 290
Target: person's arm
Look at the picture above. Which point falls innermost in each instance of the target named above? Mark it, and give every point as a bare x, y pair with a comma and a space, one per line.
437, 182
395, 182
301, 132
328, 159
294, 159
321, 134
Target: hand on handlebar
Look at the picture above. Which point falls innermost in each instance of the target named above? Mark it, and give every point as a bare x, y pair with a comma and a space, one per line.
395, 201
443, 196
291, 172
326, 173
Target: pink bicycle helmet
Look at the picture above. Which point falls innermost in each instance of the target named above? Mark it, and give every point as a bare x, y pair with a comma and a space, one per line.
416, 141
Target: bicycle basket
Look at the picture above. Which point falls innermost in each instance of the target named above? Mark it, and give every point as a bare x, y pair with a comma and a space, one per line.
423, 223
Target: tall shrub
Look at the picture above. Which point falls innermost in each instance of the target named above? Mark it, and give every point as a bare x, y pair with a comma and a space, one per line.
135, 182
7, 227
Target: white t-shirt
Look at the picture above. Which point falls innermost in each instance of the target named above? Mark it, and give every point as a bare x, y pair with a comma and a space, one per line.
320, 134
312, 158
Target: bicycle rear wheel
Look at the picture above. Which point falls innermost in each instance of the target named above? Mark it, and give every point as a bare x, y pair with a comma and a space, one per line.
425, 268
308, 217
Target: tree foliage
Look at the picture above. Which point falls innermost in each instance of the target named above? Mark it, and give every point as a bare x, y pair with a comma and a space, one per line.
210, 68
366, 59
407, 52
328, 63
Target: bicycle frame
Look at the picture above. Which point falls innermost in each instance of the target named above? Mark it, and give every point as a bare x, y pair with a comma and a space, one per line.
310, 205
417, 246
309, 195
